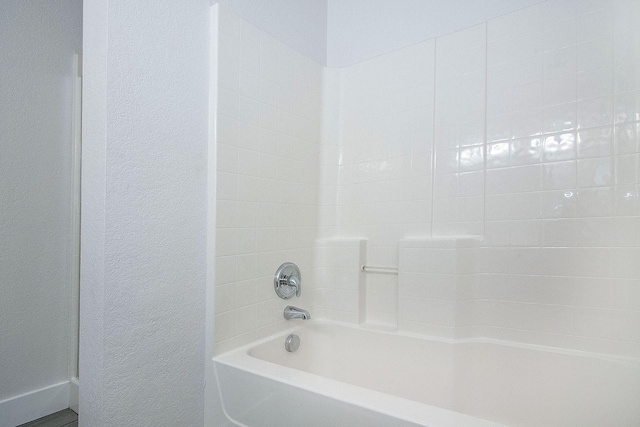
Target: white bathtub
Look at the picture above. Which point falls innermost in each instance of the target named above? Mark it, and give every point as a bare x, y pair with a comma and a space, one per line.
348, 376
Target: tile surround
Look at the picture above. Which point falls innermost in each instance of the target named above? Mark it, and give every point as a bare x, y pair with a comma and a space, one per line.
268, 136
523, 130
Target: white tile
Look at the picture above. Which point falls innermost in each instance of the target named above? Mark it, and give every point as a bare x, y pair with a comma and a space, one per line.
594, 55
471, 158
560, 117
595, 202
559, 147
246, 240
269, 92
595, 25
627, 107
527, 123
228, 75
228, 103
595, 142
245, 319
268, 116
249, 110
227, 186
559, 204
560, 90
559, 175
595, 112
560, 62
559, 232
226, 241
525, 233
227, 158
559, 35
225, 326
249, 84
595, 172
227, 130
497, 155
626, 169
247, 191
595, 83
525, 151
225, 269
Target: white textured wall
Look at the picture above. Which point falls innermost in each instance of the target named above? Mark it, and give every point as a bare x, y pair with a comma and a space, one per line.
361, 29
144, 213
300, 24
39, 39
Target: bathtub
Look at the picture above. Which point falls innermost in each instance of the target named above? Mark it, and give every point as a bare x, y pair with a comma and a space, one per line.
350, 376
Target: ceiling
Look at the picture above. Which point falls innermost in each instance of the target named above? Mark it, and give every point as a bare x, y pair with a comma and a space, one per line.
342, 32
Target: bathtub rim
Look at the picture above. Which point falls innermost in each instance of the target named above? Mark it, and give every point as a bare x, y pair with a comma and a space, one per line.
300, 324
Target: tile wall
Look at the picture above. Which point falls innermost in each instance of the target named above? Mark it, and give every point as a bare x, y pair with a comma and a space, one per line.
338, 291
437, 280
533, 119
522, 131
562, 212
460, 122
268, 135
381, 144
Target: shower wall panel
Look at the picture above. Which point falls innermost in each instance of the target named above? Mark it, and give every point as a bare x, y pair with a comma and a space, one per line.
536, 117
268, 134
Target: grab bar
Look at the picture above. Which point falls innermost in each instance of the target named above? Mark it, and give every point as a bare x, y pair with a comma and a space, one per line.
378, 270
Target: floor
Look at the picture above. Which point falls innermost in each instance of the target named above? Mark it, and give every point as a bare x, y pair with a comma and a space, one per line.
65, 418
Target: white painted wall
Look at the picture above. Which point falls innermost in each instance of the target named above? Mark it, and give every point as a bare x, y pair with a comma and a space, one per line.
361, 29
144, 213
300, 24
39, 39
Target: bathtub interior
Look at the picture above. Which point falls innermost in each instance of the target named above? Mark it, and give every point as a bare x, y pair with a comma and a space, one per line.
486, 381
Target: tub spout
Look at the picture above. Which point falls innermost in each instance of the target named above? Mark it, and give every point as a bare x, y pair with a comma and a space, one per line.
291, 312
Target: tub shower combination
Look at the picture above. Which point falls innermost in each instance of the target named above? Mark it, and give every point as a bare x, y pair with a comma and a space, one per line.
322, 373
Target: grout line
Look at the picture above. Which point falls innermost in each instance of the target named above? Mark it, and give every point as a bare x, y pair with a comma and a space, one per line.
577, 125
486, 114
433, 135
613, 108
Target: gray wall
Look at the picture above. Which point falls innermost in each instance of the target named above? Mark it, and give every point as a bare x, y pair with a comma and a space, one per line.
39, 39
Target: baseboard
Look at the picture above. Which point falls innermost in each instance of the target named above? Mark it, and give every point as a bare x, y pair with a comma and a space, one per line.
74, 394
34, 404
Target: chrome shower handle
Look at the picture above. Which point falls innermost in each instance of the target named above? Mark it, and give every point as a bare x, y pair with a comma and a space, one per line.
287, 281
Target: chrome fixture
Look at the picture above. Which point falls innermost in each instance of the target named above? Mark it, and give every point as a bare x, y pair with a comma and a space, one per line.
378, 270
287, 280
292, 343
291, 312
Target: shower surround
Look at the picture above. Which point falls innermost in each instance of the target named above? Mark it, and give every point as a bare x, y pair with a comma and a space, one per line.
496, 166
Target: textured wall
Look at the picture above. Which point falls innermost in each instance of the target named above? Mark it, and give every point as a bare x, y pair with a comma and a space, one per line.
39, 39
144, 213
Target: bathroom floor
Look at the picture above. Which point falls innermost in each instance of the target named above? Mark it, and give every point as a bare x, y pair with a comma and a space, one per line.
64, 418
